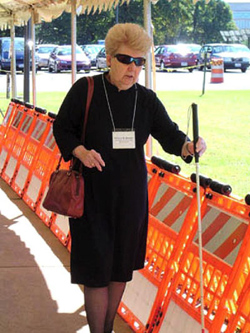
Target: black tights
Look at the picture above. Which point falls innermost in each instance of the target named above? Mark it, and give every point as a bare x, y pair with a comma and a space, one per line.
101, 305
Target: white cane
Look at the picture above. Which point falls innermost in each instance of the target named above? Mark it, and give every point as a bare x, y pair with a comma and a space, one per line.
195, 138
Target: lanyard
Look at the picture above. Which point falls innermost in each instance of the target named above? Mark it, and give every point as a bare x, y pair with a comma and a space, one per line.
110, 112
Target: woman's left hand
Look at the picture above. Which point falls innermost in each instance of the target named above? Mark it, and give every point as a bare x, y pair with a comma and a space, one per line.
200, 147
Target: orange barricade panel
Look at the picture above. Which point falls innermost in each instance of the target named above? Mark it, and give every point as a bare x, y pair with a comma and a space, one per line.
60, 227
178, 320
137, 302
9, 115
47, 217
30, 154
19, 145
161, 244
45, 162
10, 136
222, 231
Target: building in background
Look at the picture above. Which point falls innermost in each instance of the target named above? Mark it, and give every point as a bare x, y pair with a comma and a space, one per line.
241, 17
241, 13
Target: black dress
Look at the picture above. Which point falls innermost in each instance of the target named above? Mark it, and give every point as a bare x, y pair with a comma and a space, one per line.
109, 241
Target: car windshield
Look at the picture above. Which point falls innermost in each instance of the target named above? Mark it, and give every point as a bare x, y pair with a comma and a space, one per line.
45, 49
19, 46
181, 49
241, 48
67, 51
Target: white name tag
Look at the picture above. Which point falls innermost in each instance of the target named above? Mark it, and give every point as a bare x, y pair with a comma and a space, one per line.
123, 139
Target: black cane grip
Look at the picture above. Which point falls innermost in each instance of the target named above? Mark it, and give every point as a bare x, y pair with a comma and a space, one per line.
195, 129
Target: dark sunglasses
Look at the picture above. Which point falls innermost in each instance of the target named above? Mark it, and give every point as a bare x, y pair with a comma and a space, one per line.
126, 59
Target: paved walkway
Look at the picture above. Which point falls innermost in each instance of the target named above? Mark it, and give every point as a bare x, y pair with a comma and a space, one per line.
36, 293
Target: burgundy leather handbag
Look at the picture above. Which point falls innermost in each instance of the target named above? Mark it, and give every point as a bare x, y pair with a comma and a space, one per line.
65, 195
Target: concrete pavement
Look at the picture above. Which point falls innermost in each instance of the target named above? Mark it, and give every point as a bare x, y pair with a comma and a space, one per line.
36, 293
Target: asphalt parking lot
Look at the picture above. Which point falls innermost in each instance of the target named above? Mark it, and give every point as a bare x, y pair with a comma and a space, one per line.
165, 81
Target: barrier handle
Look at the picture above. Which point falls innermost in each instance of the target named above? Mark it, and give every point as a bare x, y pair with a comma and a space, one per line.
195, 129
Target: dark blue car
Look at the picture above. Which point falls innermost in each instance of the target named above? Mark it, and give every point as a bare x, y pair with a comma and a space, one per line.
5, 53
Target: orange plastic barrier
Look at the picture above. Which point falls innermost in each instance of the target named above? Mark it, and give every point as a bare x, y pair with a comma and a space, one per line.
21, 140
9, 115
30, 151
37, 187
217, 70
12, 129
165, 296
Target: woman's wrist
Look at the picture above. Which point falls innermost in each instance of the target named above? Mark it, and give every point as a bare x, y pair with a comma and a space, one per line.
187, 148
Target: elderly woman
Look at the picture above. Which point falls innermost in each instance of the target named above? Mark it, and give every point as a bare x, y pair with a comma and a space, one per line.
109, 240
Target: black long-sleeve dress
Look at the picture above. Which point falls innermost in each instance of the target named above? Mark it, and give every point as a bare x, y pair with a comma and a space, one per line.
109, 240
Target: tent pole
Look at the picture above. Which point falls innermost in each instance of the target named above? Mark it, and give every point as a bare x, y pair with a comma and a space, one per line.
13, 60
33, 38
73, 40
148, 64
26, 77
148, 28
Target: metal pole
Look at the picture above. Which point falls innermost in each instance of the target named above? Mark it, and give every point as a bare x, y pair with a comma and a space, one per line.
33, 38
148, 64
196, 136
7, 85
73, 41
148, 28
13, 60
26, 86
204, 73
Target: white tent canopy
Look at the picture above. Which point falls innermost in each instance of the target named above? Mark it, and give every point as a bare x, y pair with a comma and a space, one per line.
18, 12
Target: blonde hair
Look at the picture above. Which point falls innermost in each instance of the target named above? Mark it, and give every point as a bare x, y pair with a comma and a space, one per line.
129, 34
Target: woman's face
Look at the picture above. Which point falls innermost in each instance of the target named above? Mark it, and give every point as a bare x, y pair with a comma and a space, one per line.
121, 75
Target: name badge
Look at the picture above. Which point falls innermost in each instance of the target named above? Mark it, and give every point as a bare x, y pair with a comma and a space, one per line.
123, 139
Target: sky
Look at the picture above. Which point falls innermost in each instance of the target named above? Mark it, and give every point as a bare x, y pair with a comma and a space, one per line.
237, 1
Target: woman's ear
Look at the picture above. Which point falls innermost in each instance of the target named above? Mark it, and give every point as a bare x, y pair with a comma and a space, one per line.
108, 60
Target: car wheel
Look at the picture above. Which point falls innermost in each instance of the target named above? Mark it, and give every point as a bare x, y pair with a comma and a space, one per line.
97, 65
200, 67
56, 70
162, 67
243, 70
50, 69
190, 70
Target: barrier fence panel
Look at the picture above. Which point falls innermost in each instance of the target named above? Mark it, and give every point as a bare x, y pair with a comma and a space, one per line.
11, 133
9, 115
162, 251
30, 153
241, 321
60, 227
21, 140
233, 301
38, 177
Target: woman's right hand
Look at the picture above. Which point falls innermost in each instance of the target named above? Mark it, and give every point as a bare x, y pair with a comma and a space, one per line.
90, 158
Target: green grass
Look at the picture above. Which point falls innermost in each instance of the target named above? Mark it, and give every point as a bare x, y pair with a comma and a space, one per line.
224, 122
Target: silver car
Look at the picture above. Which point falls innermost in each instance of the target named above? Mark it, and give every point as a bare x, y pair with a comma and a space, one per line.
101, 59
235, 56
42, 55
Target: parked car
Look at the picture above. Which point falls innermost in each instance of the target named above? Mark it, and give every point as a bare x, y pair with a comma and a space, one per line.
235, 56
195, 48
101, 59
5, 54
175, 56
60, 59
91, 51
43, 52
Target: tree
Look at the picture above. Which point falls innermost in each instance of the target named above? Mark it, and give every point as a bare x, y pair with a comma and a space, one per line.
174, 21
209, 19
171, 21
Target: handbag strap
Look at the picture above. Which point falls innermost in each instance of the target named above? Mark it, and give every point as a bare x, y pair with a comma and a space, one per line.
90, 81
89, 98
